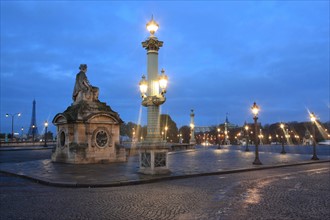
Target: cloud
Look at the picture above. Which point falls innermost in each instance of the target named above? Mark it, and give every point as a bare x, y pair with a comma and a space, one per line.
219, 56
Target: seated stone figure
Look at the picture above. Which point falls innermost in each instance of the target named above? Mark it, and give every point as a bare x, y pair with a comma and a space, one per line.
83, 90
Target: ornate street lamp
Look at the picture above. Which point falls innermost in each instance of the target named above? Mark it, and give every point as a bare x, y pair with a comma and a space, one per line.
46, 126
255, 110
153, 158
246, 127
284, 135
12, 123
313, 120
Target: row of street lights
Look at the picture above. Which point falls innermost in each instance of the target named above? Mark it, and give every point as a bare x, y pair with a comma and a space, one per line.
22, 129
255, 110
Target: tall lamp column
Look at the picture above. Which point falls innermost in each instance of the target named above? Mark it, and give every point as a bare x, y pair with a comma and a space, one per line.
313, 120
150, 88
192, 127
255, 111
153, 156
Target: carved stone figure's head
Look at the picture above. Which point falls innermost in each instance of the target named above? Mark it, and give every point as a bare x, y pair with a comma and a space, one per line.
83, 67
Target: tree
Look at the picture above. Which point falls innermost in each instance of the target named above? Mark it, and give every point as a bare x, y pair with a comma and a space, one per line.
185, 132
171, 134
49, 135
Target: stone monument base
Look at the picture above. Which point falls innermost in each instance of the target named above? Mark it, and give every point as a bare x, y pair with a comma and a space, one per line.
82, 154
88, 132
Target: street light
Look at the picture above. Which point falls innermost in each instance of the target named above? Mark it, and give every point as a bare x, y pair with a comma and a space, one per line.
33, 127
313, 120
163, 79
46, 126
219, 144
246, 127
143, 86
284, 135
166, 128
12, 123
255, 110
154, 156
152, 26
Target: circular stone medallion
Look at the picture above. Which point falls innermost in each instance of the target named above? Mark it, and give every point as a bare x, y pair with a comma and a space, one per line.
101, 138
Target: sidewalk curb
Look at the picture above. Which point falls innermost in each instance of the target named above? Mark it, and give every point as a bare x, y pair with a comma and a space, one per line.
155, 179
27, 148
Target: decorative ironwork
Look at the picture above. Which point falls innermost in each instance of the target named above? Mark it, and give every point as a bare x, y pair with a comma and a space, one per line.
145, 159
160, 159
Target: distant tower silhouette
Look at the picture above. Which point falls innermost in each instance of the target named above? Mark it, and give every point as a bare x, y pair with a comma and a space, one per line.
33, 129
227, 142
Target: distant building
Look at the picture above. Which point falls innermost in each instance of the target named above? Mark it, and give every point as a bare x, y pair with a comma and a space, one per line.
202, 129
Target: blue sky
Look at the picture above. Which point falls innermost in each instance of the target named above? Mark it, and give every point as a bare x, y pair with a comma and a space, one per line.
220, 57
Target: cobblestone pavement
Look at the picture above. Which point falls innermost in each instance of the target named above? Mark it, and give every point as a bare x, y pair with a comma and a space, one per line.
299, 192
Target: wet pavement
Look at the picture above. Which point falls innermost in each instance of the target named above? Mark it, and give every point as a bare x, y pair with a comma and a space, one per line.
190, 163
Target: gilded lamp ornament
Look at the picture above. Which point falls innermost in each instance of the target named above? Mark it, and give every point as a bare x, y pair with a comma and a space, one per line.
152, 26
161, 84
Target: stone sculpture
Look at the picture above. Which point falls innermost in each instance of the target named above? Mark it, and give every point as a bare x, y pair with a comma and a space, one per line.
83, 90
88, 130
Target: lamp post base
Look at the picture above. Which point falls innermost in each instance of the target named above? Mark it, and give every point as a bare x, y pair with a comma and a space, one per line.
283, 152
314, 157
257, 162
154, 159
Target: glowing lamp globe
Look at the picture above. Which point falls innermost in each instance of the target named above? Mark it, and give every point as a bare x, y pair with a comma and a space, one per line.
312, 117
152, 26
163, 79
255, 109
143, 85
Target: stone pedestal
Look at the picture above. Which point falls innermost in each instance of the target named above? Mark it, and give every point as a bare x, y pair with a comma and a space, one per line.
88, 132
154, 158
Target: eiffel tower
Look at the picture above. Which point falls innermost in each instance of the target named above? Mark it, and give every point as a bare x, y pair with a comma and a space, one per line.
33, 129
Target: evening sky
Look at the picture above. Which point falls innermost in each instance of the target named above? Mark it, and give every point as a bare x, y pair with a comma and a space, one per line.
220, 57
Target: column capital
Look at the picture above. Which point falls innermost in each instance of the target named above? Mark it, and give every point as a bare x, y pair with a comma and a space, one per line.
152, 44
